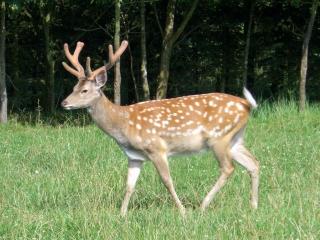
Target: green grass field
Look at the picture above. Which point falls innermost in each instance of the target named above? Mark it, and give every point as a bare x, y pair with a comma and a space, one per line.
68, 181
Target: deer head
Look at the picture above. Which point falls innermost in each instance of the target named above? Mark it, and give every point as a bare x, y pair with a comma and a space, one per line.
88, 89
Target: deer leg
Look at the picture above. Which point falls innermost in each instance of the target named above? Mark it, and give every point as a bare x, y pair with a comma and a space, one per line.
226, 168
161, 163
133, 174
246, 159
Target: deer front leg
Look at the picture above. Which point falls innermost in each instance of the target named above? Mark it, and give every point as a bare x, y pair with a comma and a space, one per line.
133, 174
161, 163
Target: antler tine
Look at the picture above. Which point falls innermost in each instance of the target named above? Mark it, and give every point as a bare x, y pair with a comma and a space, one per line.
96, 72
74, 60
88, 67
113, 57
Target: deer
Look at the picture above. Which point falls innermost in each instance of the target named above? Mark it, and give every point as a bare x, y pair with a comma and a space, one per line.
158, 129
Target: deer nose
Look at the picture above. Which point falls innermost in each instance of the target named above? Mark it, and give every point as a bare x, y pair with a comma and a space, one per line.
64, 103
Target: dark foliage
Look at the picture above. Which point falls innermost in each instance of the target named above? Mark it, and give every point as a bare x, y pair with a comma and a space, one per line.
207, 57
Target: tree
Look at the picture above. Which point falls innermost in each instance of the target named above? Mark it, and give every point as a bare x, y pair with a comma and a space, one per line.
3, 89
247, 47
117, 73
304, 59
169, 38
144, 75
46, 13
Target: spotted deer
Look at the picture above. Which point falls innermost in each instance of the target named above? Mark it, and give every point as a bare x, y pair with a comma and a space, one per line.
155, 130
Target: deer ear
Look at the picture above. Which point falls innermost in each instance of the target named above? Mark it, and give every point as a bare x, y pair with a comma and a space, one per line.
101, 79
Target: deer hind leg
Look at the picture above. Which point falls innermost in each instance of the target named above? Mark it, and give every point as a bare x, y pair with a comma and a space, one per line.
134, 169
246, 159
223, 155
161, 164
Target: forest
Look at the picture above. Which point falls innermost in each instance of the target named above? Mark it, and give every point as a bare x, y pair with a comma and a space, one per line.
176, 48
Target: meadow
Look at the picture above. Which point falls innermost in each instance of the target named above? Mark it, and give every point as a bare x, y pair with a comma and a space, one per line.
67, 180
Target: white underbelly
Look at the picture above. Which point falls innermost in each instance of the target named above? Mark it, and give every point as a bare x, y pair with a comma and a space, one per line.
184, 146
134, 154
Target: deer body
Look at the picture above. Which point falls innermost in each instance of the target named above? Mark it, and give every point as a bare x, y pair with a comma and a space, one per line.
181, 125
155, 130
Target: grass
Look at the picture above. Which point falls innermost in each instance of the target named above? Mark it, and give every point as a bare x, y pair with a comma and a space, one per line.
67, 182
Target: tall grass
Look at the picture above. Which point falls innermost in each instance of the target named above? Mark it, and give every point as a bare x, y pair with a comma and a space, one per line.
67, 182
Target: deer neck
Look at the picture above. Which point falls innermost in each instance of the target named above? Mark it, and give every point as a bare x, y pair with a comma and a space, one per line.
109, 117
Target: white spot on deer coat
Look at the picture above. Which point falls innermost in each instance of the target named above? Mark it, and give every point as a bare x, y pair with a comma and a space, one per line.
227, 128
189, 122
157, 124
230, 104
240, 106
172, 128
236, 119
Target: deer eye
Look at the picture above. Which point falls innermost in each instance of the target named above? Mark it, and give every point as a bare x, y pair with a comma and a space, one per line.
84, 91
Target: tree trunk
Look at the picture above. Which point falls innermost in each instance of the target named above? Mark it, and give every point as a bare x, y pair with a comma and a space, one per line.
144, 75
136, 92
225, 59
15, 66
3, 89
117, 74
169, 38
304, 59
163, 76
247, 47
50, 62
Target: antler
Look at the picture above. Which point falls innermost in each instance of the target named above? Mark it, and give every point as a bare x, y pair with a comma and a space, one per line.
89, 74
74, 60
113, 57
